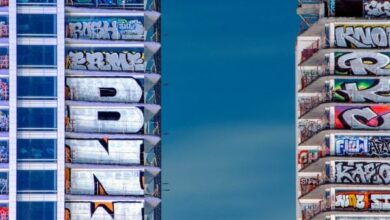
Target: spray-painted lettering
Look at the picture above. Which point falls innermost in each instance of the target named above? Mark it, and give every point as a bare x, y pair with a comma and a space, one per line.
105, 61
362, 63
354, 36
365, 117
374, 8
106, 29
361, 90
362, 172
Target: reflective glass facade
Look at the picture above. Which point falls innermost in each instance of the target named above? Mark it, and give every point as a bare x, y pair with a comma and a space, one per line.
80, 114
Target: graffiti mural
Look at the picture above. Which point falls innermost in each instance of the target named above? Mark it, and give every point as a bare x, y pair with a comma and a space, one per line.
4, 212
106, 59
104, 210
362, 200
105, 119
362, 63
105, 28
309, 183
377, 8
104, 89
361, 172
134, 4
308, 128
105, 151
365, 117
306, 157
371, 146
106, 182
362, 36
361, 90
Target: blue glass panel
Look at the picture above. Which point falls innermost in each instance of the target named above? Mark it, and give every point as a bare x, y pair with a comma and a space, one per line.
36, 180
39, 56
34, 87
37, 118
37, 149
37, 24
36, 2
36, 210
4, 151
3, 183
4, 120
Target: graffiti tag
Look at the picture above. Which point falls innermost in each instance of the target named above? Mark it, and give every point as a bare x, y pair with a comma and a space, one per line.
362, 63
351, 36
374, 8
362, 172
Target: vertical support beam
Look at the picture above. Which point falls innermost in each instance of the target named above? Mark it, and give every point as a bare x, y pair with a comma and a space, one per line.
12, 109
61, 109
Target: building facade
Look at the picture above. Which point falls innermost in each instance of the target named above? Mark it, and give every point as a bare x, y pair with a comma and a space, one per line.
80, 109
343, 110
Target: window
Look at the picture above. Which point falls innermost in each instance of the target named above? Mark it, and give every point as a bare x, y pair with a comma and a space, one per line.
36, 2
37, 118
36, 210
109, 116
37, 56
39, 181
37, 149
33, 87
36, 24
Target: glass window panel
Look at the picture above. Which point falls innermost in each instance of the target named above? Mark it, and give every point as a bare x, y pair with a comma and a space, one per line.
37, 87
36, 180
37, 118
36, 210
37, 24
37, 149
36, 2
40, 56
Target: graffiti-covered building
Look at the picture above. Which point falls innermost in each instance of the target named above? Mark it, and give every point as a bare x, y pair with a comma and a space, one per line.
80, 112
343, 110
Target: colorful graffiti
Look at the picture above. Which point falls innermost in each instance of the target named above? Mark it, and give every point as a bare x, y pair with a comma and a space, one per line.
376, 8
4, 89
136, 4
309, 128
361, 172
105, 28
365, 117
106, 60
4, 212
371, 146
362, 63
116, 182
361, 90
3, 183
362, 36
104, 210
309, 183
362, 200
306, 157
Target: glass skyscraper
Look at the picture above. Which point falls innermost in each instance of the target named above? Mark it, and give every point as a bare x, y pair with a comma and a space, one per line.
80, 114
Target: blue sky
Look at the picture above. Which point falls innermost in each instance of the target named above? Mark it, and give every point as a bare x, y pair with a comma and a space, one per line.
228, 109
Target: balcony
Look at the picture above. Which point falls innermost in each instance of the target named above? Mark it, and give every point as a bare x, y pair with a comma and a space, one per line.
116, 4
132, 26
112, 118
130, 152
112, 181
114, 89
87, 207
94, 55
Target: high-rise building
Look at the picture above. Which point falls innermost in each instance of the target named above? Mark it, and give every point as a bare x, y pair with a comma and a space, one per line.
343, 110
80, 114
